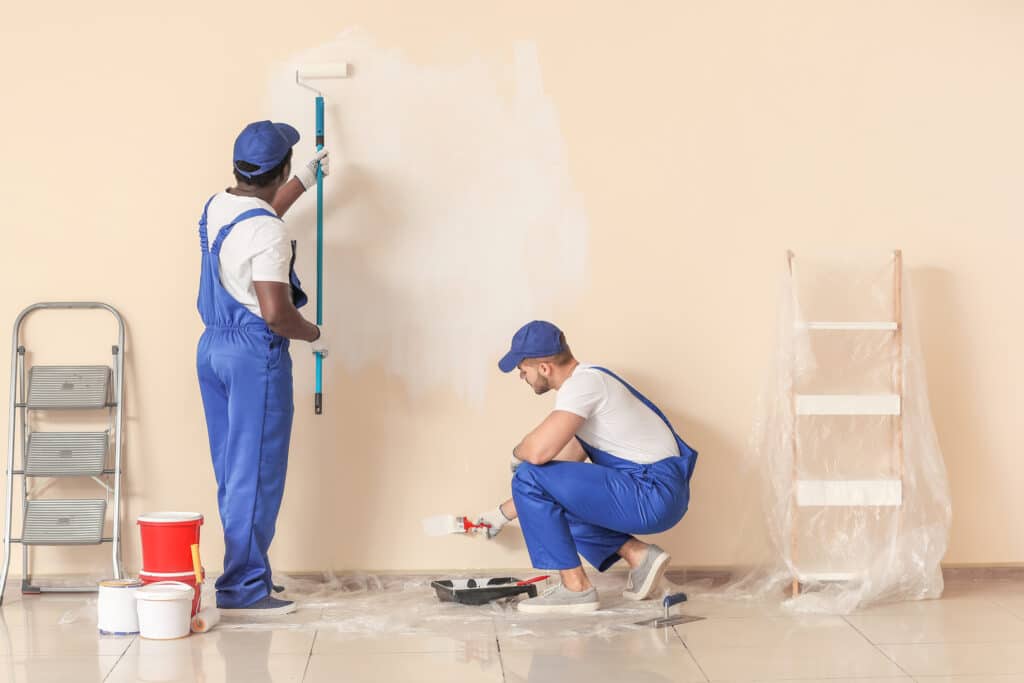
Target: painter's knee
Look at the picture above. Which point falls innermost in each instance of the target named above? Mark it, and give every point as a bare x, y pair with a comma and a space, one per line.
525, 476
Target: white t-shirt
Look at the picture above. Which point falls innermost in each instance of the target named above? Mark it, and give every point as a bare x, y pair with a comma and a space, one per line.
256, 249
616, 421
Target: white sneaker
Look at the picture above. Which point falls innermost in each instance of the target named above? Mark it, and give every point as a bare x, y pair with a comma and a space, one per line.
560, 600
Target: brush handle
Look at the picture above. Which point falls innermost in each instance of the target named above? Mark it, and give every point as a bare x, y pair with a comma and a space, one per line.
536, 579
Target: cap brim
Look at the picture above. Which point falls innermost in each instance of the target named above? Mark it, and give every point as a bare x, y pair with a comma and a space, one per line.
510, 361
288, 133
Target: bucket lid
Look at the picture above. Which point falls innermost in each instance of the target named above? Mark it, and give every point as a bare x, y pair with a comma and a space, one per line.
171, 576
120, 583
166, 590
168, 517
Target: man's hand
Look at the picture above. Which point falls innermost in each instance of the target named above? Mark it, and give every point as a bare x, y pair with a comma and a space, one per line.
514, 464
320, 343
496, 518
307, 174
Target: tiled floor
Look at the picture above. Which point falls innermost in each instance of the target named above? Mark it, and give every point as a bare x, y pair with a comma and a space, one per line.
975, 634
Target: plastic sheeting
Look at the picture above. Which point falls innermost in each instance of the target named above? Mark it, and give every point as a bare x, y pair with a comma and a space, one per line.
855, 497
362, 605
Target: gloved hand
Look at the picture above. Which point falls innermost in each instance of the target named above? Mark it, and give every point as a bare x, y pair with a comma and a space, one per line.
307, 174
514, 464
496, 518
320, 344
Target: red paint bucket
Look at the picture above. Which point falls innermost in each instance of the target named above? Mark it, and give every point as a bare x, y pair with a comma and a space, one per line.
183, 577
167, 540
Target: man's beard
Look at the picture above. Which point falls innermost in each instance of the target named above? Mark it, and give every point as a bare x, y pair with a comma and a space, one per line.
542, 386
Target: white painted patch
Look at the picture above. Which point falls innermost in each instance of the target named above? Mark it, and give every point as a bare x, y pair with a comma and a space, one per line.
451, 218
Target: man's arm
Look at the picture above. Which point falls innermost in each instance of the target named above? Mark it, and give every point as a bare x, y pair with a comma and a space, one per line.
549, 439
286, 195
280, 314
573, 452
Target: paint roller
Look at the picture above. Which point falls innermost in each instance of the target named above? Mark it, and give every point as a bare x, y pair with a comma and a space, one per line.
303, 74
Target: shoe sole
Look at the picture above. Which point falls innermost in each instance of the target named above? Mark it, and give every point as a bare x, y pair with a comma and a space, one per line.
581, 608
243, 613
653, 578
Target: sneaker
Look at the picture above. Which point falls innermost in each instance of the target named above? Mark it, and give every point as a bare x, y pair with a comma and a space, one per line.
560, 600
278, 588
644, 580
266, 607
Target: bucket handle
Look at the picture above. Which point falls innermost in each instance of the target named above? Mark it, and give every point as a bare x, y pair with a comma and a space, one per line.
174, 583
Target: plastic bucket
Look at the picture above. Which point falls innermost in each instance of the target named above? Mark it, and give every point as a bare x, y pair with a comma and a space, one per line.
167, 540
187, 578
116, 613
164, 610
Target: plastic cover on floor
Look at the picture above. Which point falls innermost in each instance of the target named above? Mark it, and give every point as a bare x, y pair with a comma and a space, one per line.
855, 501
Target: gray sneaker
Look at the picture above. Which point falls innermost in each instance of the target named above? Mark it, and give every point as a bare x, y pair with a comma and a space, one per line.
265, 607
644, 580
560, 600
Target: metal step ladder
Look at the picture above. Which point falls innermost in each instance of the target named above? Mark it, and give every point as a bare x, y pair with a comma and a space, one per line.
63, 454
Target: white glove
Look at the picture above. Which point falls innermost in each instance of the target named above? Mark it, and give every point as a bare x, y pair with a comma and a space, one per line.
496, 518
514, 464
307, 174
320, 344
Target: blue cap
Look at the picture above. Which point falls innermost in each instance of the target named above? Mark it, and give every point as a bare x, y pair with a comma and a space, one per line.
538, 339
263, 144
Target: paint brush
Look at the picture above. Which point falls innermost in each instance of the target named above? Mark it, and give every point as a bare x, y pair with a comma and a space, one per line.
442, 525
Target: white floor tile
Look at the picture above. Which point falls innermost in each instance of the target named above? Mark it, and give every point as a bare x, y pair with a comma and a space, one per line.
991, 627
835, 660
636, 642
951, 659
210, 668
801, 632
37, 669
589, 667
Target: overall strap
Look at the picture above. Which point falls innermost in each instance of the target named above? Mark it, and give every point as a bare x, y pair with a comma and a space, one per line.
244, 216
203, 242
643, 399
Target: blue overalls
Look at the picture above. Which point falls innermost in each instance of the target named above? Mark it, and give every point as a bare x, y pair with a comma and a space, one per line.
245, 377
567, 509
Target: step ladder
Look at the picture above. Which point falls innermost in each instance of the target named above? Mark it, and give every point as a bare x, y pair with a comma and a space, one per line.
63, 454
885, 491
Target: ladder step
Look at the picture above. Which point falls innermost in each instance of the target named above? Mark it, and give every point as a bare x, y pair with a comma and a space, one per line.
66, 454
847, 404
850, 326
68, 386
64, 522
849, 493
826, 577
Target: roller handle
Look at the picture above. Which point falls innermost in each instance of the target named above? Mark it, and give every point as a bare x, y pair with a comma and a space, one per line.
197, 566
318, 400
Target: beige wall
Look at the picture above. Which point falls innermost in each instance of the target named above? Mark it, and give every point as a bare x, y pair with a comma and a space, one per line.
706, 138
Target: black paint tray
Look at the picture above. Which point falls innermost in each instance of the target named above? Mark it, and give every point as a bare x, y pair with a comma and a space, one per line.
481, 591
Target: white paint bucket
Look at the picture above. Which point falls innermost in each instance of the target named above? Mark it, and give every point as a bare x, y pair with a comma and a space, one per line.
115, 608
165, 610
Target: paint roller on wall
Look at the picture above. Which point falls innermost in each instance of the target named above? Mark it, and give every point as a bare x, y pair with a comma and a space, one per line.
303, 74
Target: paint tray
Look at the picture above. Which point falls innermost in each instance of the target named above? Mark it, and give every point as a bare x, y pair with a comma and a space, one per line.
482, 591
